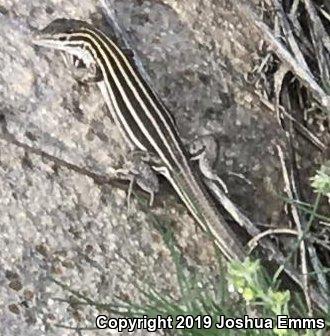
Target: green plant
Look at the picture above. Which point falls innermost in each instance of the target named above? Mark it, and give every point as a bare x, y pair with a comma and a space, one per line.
240, 279
321, 180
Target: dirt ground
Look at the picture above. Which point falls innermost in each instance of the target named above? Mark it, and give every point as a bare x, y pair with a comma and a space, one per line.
56, 221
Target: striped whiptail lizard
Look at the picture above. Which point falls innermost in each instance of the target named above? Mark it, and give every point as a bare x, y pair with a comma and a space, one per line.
144, 121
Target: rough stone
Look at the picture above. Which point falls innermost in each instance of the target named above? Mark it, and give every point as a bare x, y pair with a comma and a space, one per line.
60, 223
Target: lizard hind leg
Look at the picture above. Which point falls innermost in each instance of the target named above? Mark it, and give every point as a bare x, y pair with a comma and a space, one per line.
146, 179
204, 150
137, 171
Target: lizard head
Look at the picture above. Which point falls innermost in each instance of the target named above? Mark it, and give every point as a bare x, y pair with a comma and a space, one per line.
77, 39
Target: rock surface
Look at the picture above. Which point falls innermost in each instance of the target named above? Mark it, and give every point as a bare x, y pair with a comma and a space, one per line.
58, 222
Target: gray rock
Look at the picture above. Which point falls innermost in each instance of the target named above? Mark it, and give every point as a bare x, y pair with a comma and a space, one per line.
56, 221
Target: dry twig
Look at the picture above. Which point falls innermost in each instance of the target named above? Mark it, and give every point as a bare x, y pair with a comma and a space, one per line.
284, 55
289, 185
252, 244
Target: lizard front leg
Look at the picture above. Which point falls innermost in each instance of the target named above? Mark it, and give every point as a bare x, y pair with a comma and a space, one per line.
81, 72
